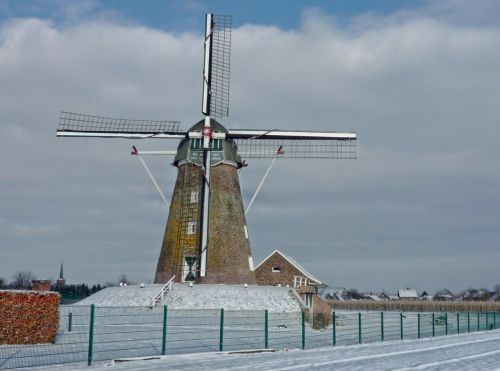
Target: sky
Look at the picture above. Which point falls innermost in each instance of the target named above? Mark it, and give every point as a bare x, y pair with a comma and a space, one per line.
418, 81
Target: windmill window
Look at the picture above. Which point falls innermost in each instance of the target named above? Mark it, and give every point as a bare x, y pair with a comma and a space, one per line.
196, 143
194, 197
191, 228
216, 144
276, 269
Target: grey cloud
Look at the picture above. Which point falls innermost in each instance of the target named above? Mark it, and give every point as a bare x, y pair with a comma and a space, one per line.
420, 91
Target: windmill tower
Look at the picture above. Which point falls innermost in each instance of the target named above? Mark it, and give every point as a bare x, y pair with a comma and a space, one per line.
206, 237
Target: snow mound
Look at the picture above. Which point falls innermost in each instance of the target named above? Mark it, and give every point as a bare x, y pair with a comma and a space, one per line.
205, 296
122, 296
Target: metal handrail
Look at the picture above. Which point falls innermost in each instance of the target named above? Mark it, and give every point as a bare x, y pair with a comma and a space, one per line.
161, 294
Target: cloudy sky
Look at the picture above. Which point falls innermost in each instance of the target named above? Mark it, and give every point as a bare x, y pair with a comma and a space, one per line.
418, 81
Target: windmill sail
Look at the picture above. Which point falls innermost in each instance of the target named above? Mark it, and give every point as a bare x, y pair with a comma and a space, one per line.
217, 65
294, 144
206, 236
298, 148
80, 125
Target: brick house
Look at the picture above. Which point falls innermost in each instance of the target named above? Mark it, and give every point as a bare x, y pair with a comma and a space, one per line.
280, 269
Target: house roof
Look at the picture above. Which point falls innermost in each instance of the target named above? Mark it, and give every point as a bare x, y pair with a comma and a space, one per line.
337, 292
294, 263
407, 293
445, 293
371, 297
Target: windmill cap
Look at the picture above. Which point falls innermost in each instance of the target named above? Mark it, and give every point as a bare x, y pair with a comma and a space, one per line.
223, 150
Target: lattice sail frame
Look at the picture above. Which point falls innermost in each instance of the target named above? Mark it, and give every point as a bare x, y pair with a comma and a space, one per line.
220, 61
77, 124
344, 149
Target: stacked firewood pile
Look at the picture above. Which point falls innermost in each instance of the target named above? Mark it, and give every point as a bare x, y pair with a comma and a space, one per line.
28, 317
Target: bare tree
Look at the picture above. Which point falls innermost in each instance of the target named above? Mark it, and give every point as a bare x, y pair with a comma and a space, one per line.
3, 283
497, 288
22, 280
123, 279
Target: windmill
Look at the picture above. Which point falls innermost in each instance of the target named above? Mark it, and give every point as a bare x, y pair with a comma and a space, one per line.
206, 237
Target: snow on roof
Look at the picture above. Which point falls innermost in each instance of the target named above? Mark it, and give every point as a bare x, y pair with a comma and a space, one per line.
294, 263
407, 293
337, 292
373, 297
200, 296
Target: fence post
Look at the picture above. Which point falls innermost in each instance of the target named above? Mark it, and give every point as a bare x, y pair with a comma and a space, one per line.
266, 329
478, 326
433, 325
446, 323
487, 321
382, 326
303, 331
418, 325
468, 321
70, 321
401, 324
164, 332
221, 331
359, 328
91, 335
334, 329
458, 322
495, 320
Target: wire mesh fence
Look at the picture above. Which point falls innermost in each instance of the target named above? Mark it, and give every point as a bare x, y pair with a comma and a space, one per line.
88, 334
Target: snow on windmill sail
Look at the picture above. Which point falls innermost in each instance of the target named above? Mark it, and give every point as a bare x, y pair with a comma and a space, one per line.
206, 237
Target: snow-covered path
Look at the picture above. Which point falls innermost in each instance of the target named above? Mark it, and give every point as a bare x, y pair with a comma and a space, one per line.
477, 351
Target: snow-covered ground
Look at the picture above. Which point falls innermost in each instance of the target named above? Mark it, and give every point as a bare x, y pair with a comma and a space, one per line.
230, 297
475, 351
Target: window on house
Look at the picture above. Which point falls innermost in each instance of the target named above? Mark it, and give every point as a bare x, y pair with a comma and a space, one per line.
191, 228
276, 269
194, 197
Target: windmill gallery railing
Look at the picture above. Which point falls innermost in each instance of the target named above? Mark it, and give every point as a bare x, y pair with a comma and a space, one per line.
90, 334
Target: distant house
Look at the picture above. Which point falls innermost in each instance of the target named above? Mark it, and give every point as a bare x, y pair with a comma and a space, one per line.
425, 296
407, 294
335, 293
370, 296
280, 269
386, 296
445, 295
476, 295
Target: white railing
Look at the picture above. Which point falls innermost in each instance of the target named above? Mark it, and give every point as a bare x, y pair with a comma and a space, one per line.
161, 294
299, 281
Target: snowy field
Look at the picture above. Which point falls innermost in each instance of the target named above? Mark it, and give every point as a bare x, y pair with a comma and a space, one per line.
230, 297
178, 325
476, 351
138, 331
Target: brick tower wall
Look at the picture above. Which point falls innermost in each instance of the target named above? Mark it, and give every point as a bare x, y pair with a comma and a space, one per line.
228, 250
177, 242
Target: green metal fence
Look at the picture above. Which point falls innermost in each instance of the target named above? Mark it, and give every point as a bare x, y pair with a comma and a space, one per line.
89, 334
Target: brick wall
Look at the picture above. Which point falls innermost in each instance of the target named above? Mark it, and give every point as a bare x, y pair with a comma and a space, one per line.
228, 249
28, 317
265, 275
177, 243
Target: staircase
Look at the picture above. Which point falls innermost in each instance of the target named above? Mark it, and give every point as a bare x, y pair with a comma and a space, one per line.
158, 297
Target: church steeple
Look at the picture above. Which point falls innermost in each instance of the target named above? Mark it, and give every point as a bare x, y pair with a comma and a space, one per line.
61, 281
